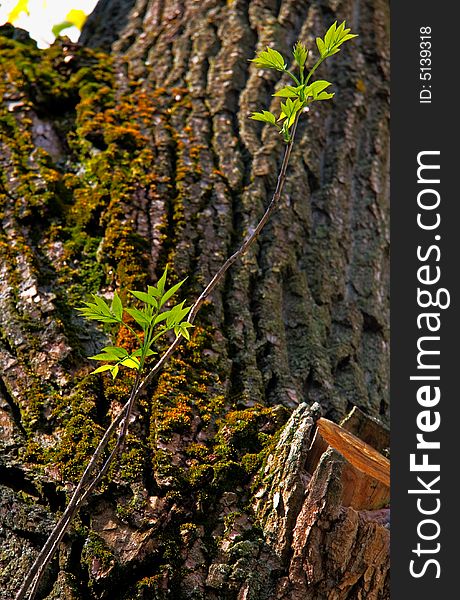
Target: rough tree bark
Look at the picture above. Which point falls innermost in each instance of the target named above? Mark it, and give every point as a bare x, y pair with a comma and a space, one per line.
118, 160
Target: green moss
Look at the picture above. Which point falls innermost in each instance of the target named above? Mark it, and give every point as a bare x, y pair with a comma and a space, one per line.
80, 433
188, 390
96, 554
107, 152
245, 434
189, 531
151, 588
200, 475
251, 463
37, 395
74, 421
148, 584
189, 386
239, 430
228, 474
166, 472
132, 462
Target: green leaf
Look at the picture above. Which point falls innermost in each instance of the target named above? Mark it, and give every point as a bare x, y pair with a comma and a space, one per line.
148, 352
288, 92
107, 356
321, 46
270, 59
177, 314
316, 88
324, 96
74, 18
139, 316
319, 85
117, 307
286, 108
182, 329
116, 351
115, 371
20, 7
340, 30
102, 305
144, 297
131, 363
290, 110
285, 132
265, 116
161, 317
169, 293
162, 282
173, 319
300, 54
330, 35
349, 36
102, 368
89, 312
100, 318
97, 311
153, 291
77, 17
185, 333
334, 38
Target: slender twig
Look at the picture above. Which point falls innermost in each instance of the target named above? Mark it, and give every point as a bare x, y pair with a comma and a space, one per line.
86, 485
65, 523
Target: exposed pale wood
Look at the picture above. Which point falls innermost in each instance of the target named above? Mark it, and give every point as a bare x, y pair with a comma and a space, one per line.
366, 473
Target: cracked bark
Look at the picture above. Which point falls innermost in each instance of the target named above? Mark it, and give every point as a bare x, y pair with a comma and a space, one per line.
299, 330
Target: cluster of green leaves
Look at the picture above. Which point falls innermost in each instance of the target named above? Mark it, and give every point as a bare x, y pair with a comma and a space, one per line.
152, 318
303, 93
334, 38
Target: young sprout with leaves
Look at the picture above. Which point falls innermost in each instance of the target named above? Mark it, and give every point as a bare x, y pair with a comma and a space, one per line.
153, 320
303, 93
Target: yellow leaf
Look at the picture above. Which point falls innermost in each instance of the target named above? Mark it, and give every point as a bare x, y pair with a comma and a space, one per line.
77, 17
361, 86
21, 6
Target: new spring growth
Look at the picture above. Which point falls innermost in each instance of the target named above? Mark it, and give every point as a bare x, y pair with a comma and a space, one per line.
303, 93
152, 319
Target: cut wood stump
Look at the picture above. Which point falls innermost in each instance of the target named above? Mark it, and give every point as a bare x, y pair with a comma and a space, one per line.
366, 472
323, 506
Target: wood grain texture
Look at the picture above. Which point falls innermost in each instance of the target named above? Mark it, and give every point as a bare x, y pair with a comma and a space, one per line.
366, 472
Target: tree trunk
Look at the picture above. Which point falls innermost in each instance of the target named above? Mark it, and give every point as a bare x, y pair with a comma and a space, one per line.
118, 162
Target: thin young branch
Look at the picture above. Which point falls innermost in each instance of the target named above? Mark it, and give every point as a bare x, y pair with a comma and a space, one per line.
59, 530
65, 524
86, 485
